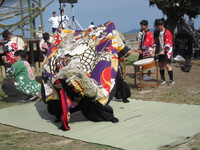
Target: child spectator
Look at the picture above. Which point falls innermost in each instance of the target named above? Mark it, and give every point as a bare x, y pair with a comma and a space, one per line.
46, 44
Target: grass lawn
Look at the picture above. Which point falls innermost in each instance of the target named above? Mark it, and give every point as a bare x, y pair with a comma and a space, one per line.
186, 90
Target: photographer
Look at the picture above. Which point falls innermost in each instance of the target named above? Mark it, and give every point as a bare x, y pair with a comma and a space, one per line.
64, 21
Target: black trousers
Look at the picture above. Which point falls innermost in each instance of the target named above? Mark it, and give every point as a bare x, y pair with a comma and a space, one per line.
10, 90
122, 90
54, 29
93, 111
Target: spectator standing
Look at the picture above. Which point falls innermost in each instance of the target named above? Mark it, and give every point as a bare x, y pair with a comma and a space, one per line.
54, 21
146, 45
165, 47
39, 34
64, 21
91, 25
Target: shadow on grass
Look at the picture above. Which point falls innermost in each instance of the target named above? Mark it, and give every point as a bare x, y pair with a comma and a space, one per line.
134, 86
6, 101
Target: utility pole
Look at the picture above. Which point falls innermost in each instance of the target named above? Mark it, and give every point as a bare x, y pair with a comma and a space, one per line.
31, 19
41, 15
22, 16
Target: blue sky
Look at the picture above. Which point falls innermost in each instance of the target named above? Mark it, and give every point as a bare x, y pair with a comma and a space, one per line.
126, 14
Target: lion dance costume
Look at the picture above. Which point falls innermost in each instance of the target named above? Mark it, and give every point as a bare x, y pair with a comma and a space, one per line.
79, 73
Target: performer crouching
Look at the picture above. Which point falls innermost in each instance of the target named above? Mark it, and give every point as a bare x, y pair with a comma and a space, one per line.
24, 85
71, 98
80, 74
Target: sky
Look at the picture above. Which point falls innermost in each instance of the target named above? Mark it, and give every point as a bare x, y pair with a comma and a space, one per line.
126, 14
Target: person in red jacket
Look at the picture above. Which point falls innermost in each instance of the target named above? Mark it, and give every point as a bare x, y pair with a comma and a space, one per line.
146, 45
9, 49
164, 49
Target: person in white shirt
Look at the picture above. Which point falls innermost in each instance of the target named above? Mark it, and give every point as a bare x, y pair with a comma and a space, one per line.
91, 25
54, 21
39, 34
139, 36
64, 22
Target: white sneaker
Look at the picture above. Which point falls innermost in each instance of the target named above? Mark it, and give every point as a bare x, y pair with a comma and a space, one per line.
171, 82
147, 78
162, 81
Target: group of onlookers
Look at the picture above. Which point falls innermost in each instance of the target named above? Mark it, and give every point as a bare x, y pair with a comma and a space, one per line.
59, 22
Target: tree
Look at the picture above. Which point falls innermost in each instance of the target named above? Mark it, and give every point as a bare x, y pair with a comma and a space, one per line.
176, 9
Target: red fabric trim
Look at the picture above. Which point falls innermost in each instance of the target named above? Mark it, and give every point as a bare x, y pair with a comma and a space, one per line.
64, 116
168, 38
57, 81
146, 44
148, 40
168, 42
